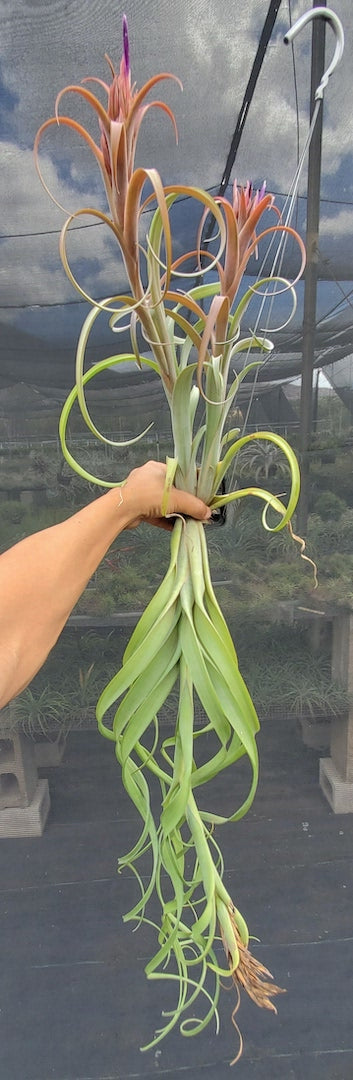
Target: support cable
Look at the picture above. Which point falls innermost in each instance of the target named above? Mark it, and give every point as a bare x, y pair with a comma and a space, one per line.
247, 99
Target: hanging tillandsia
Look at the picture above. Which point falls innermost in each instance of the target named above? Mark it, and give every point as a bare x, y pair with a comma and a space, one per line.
182, 641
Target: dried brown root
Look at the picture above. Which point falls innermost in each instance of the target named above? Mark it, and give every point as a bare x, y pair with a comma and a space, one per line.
299, 540
252, 976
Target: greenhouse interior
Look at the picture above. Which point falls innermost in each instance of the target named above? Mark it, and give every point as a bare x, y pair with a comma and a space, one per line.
176, 540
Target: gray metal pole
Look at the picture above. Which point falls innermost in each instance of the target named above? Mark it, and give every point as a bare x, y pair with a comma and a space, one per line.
312, 246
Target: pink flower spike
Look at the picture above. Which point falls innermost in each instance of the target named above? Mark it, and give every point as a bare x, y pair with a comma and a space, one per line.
126, 45
235, 197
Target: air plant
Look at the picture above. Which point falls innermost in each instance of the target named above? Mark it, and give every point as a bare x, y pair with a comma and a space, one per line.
182, 643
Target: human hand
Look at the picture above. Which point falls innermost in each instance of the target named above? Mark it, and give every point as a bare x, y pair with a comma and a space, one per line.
142, 496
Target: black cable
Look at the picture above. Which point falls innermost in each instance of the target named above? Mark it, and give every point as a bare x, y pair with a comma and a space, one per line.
249, 92
295, 81
181, 199
247, 99
296, 99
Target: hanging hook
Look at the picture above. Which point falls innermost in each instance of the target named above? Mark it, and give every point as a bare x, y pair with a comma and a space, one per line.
335, 23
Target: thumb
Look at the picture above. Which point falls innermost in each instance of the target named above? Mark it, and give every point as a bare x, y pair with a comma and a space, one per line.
182, 502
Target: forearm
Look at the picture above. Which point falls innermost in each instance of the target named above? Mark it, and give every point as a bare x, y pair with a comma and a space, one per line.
41, 579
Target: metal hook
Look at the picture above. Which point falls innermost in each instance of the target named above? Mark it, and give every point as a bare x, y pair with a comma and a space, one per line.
335, 23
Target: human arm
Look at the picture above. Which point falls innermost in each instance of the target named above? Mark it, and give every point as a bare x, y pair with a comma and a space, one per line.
43, 576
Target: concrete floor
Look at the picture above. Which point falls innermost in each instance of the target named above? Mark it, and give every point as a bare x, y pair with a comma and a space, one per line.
74, 1000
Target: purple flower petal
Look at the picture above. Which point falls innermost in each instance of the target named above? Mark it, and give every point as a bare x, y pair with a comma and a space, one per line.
126, 45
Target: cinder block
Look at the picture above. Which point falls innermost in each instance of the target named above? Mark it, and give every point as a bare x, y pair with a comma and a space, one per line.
338, 791
18, 771
28, 820
341, 745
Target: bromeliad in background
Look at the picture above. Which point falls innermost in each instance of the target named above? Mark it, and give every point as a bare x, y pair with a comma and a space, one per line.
189, 312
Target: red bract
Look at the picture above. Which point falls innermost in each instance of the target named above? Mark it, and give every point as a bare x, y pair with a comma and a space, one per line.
119, 125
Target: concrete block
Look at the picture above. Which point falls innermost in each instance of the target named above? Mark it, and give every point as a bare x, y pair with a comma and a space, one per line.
29, 820
18, 771
338, 792
341, 745
342, 649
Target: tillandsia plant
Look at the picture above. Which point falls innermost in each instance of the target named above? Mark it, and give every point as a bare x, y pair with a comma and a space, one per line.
181, 643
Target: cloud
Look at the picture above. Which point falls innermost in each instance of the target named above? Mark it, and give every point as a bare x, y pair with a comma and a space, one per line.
338, 225
31, 272
27, 208
222, 54
335, 241
212, 50
9, 101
